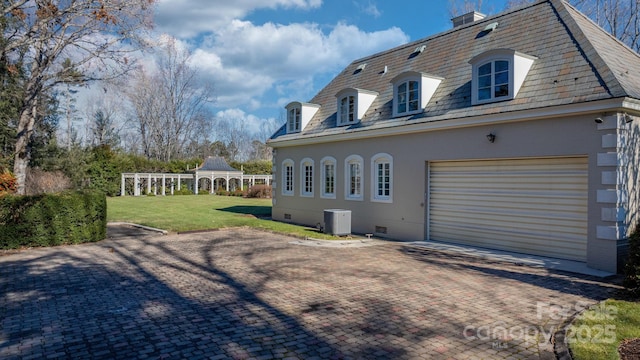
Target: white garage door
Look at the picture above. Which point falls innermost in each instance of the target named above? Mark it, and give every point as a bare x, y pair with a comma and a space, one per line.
532, 206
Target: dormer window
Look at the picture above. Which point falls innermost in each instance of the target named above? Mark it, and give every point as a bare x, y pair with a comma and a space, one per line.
353, 104
412, 91
493, 80
293, 120
347, 109
299, 115
407, 97
498, 75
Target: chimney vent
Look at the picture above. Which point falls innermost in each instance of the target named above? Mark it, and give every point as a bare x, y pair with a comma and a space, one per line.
467, 18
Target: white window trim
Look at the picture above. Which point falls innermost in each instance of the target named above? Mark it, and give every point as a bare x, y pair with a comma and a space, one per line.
303, 177
476, 81
328, 160
342, 121
306, 112
519, 66
347, 177
427, 86
292, 114
362, 100
286, 163
375, 160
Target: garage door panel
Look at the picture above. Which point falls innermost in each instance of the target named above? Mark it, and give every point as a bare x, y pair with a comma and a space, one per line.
566, 247
520, 221
536, 206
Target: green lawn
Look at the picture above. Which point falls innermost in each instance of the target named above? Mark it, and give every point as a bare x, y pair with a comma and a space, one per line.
597, 333
201, 212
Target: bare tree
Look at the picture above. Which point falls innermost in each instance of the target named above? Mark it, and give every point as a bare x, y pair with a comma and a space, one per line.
104, 126
65, 42
460, 7
170, 104
619, 17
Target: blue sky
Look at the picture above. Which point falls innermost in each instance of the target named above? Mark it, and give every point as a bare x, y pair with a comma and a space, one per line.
262, 54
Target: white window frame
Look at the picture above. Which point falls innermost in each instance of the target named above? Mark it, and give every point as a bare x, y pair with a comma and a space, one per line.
353, 160
306, 179
492, 74
427, 86
288, 163
376, 160
294, 119
519, 66
352, 109
327, 160
396, 96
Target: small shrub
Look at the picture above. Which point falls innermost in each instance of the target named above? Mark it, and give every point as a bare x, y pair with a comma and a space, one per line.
46, 182
52, 219
183, 191
150, 193
259, 191
632, 266
237, 192
222, 192
8, 183
204, 192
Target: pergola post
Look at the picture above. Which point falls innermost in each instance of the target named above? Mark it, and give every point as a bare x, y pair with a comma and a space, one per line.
227, 182
136, 185
179, 182
122, 180
149, 184
164, 181
195, 184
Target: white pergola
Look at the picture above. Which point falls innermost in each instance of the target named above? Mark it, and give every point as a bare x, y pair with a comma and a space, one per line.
213, 169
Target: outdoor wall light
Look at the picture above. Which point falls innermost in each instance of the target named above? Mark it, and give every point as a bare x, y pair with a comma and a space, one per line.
491, 137
598, 120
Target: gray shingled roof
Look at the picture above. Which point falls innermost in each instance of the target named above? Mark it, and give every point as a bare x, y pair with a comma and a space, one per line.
576, 62
215, 163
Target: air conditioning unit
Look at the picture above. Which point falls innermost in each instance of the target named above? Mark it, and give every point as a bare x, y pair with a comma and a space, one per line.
337, 222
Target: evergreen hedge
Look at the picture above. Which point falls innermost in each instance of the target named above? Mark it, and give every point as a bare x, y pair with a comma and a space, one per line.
632, 266
52, 219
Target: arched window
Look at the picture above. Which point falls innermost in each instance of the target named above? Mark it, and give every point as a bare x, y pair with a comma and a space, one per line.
498, 75
328, 176
293, 120
382, 178
306, 177
412, 91
287, 177
354, 168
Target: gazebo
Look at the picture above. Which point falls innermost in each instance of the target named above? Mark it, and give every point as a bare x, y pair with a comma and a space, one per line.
215, 168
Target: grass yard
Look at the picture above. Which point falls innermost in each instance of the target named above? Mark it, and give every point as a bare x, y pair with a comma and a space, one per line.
201, 212
597, 333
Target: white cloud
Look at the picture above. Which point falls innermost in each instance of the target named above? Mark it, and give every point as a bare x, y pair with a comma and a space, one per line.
370, 9
282, 58
255, 125
261, 67
188, 18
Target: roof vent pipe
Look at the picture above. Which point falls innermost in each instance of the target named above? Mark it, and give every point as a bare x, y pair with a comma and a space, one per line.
467, 18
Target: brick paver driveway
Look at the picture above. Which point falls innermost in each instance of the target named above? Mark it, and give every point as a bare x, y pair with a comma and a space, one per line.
240, 294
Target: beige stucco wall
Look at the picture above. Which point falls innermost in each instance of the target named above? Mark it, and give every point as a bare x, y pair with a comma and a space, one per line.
405, 217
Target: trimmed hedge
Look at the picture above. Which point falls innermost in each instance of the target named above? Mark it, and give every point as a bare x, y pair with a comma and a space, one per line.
632, 266
52, 219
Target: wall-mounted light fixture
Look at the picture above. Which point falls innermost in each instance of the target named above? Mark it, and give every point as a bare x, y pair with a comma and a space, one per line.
491, 137
598, 120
